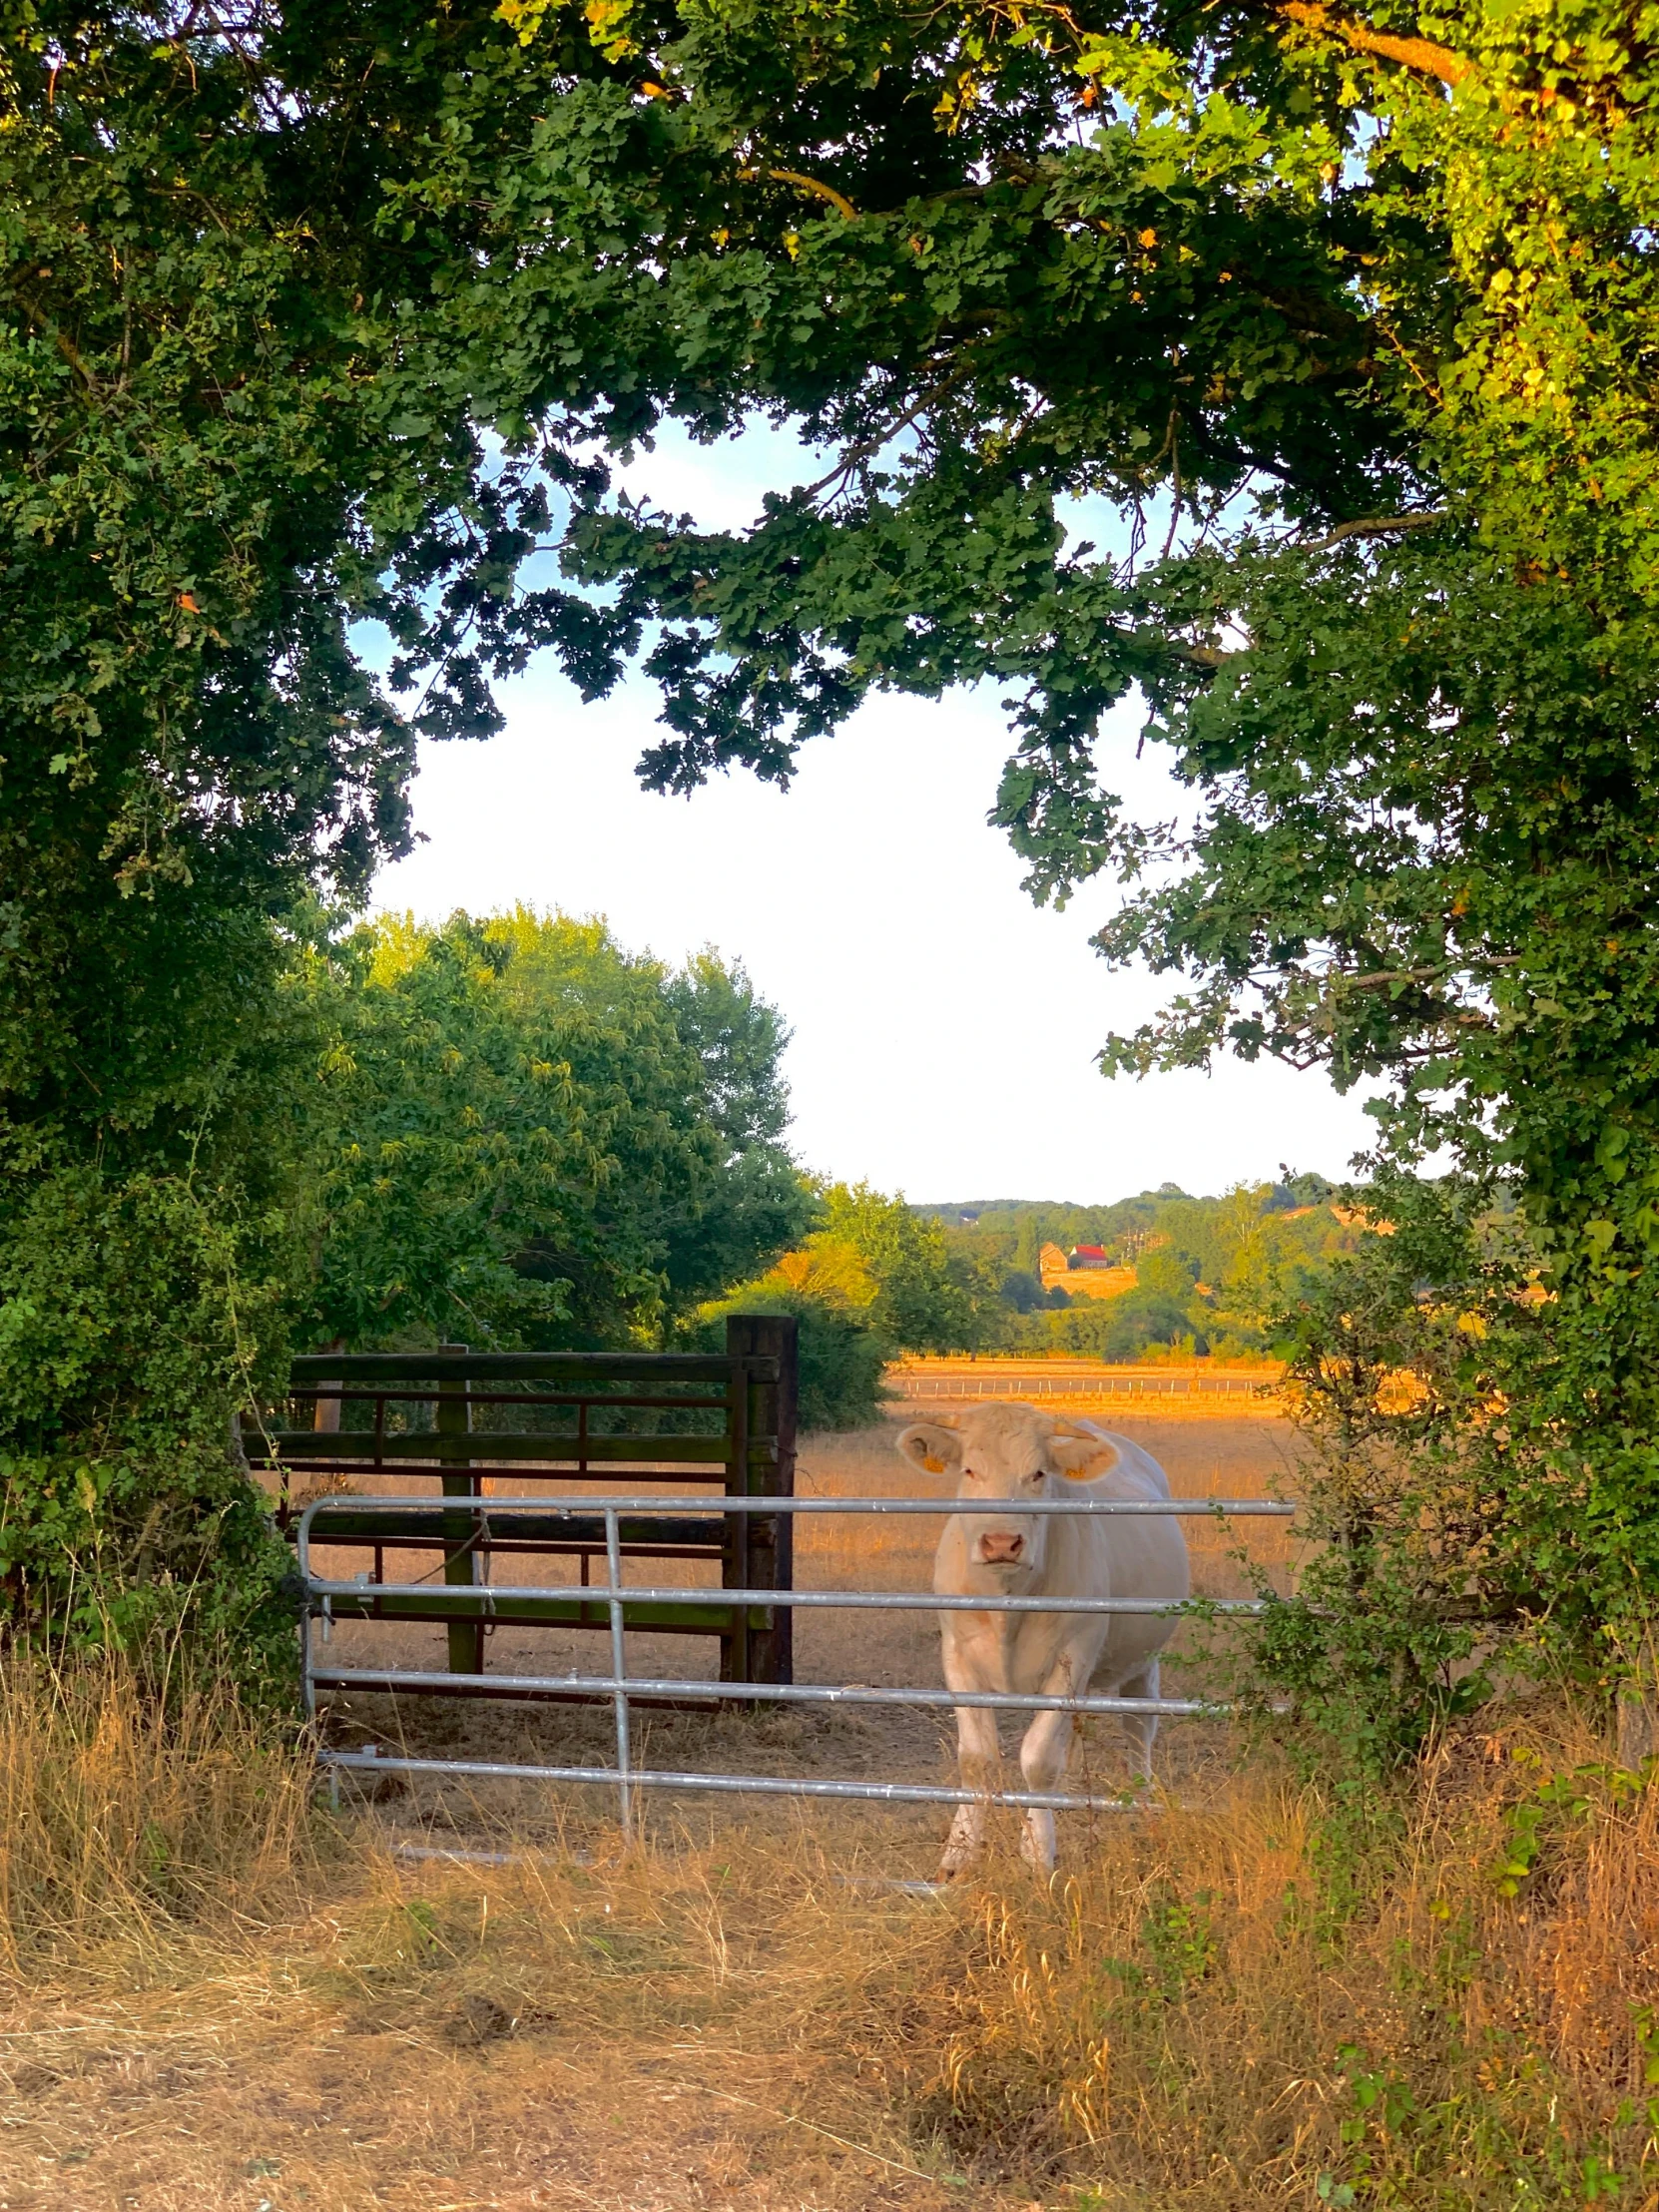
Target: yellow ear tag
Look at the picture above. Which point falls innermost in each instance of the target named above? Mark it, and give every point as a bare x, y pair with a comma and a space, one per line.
934, 1466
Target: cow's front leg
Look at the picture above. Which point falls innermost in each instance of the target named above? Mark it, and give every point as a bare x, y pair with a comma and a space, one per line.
1141, 1728
1043, 1761
978, 1756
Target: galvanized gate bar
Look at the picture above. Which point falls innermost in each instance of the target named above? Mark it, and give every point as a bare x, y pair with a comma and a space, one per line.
1225, 1509
758, 1785
491, 1604
453, 1419
393, 1679
334, 1598
613, 1560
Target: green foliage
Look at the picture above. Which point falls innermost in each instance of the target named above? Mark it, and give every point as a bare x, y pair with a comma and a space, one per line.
204, 476
528, 1135
924, 1296
1455, 1539
127, 1509
1123, 1328
1357, 316
874, 1279
841, 1356
1180, 1940
1161, 1273
147, 1256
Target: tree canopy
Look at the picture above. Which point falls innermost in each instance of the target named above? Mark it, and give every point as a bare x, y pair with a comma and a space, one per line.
526, 1135
316, 320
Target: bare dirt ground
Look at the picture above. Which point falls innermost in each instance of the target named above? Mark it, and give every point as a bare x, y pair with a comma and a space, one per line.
631, 2031
616, 2034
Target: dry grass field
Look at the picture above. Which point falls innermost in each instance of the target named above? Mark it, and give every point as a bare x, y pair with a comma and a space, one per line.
309, 2018
214, 1994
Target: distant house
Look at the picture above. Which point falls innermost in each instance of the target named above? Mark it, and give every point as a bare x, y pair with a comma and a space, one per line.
1084, 1277
968, 1220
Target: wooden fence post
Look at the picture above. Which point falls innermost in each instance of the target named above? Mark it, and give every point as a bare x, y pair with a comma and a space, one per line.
461, 1559
326, 1417
765, 1554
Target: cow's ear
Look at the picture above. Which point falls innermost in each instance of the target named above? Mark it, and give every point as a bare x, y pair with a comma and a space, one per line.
933, 1446
1081, 1456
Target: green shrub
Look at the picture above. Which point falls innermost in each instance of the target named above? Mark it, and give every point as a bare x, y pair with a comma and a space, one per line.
135, 1313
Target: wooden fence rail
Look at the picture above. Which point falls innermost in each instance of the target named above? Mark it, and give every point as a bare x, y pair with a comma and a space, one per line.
464, 1419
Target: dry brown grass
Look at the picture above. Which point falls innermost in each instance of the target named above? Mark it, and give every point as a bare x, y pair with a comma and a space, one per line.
218, 1995
125, 1805
1188, 2019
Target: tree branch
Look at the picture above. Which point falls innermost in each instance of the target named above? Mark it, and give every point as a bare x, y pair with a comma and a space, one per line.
820, 191
1411, 52
890, 431
1379, 526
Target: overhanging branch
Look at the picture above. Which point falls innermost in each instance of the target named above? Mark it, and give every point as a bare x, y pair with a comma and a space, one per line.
812, 185
1411, 52
1378, 526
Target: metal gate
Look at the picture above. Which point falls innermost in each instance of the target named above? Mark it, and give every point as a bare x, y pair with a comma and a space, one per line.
631, 1605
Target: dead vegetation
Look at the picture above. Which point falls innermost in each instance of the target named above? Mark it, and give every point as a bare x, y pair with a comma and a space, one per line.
220, 1994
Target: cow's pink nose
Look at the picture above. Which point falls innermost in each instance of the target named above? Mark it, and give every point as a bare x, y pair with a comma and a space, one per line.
1000, 1549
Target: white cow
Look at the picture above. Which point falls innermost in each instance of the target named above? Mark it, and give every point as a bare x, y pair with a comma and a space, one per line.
1003, 1456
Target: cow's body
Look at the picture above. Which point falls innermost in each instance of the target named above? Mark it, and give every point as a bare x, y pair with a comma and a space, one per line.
1004, 1454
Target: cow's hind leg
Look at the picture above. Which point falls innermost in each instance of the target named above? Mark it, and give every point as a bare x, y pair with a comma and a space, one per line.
978, 1755
1141, 1728
1043, 1761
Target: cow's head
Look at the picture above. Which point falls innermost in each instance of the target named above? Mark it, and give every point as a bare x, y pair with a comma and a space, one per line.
1007, 1456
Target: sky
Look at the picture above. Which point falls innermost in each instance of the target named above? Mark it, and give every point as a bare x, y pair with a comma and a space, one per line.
943, 1027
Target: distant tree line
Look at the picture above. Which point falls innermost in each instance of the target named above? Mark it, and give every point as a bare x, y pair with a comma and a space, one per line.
1209, 1272
877, 1278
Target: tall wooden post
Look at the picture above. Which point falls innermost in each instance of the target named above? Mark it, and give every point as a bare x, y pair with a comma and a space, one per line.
763, 1556
460, 1555
325, 1415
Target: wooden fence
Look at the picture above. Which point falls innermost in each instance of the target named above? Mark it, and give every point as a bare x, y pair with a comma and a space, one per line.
1246, 1390
463, 1419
